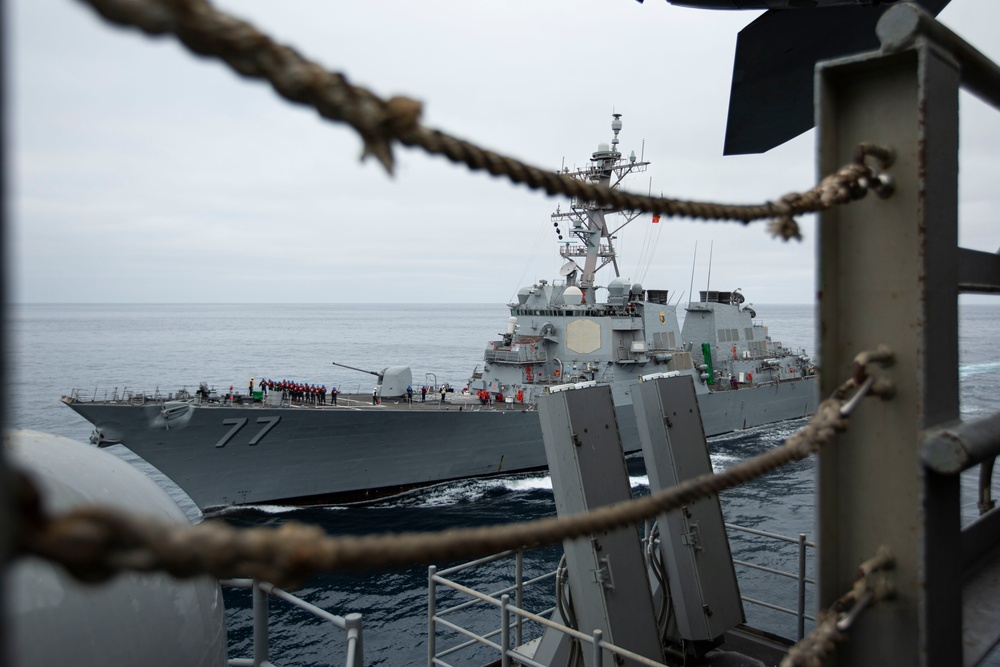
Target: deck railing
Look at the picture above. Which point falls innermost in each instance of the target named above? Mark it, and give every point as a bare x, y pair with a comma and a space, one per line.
524, 355
351, 624
508, 635
800, 575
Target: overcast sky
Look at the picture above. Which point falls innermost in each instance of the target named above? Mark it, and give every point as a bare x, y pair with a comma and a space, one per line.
144, 174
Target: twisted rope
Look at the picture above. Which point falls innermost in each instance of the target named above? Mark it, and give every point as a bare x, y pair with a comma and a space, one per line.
209, 32
94, 543
870, 586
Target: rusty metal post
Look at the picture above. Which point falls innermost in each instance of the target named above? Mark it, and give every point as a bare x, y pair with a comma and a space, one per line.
888, 274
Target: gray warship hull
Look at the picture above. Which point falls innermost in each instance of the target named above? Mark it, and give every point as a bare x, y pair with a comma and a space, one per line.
222, 455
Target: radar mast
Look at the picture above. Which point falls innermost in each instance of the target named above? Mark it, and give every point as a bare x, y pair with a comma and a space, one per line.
590, 237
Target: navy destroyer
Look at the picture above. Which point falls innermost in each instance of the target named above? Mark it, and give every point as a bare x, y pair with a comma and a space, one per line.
570, 332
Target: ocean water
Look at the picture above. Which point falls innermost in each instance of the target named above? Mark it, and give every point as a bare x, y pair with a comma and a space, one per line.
97, 348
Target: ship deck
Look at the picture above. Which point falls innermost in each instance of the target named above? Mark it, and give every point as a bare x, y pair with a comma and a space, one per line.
345, 401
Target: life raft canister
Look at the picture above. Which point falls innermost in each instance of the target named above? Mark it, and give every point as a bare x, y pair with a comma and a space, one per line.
520, 396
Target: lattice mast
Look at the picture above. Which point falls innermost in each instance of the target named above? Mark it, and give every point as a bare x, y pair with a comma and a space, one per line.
590, 236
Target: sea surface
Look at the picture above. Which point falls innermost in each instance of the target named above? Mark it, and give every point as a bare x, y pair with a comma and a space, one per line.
100, 348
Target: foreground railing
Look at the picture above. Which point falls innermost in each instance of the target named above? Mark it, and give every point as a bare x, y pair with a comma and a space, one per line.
508, 636
351, 623
800, 576
499, 598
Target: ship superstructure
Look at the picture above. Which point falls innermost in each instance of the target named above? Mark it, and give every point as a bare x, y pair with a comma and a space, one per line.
573, 329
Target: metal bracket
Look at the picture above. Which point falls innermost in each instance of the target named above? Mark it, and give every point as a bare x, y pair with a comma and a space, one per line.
603, 575
692, 538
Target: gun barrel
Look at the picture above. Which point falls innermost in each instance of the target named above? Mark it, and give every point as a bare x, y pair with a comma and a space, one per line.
375, 373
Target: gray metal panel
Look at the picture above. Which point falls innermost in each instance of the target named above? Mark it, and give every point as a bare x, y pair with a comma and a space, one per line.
979, 271
607, 572
693, 540
981, 608
888, 272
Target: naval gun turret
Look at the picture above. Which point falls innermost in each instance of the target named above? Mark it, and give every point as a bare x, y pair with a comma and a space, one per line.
392, 380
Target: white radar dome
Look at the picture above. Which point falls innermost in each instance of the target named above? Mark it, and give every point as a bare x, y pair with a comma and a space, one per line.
572, 296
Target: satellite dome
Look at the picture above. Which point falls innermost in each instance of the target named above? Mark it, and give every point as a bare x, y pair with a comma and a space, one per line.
636, 289
572, 296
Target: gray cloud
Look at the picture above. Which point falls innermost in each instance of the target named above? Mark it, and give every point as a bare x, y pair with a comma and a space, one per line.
142, 173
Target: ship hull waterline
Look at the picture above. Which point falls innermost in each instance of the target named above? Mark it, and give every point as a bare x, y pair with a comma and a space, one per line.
224, 455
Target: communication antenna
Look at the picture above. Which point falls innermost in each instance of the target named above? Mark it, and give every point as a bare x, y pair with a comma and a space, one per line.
708, 284
694, 261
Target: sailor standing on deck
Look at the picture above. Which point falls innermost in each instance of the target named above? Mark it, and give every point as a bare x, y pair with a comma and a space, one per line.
375, 396
442, 393
251, 387
423, 393
409, 393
